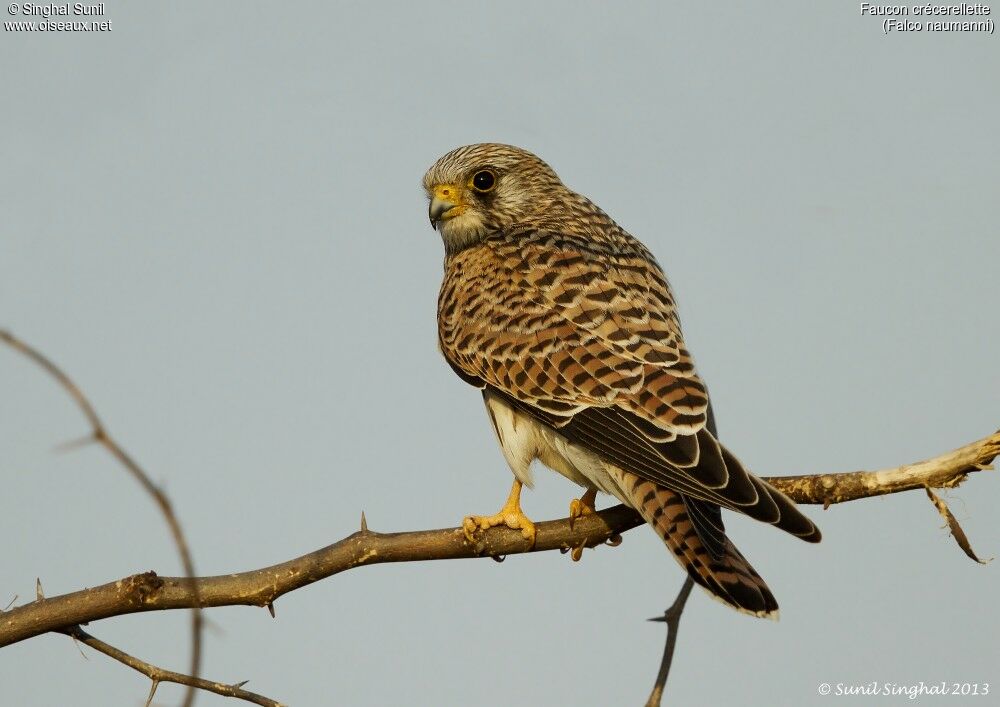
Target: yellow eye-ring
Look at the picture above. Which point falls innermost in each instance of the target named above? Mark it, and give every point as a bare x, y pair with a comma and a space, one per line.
484, 180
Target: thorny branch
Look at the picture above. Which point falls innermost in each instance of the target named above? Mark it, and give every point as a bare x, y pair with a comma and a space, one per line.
261, 587
100, 435
672, 618
158, 675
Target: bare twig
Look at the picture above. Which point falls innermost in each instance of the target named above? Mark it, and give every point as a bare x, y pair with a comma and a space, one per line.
158, 675
944, 471
672, 617
261, 587
100, 434
149, 592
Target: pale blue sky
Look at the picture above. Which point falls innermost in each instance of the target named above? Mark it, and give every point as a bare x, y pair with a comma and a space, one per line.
212, 218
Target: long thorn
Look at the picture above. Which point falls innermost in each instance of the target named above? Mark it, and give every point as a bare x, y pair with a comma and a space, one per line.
152, 691
672, 618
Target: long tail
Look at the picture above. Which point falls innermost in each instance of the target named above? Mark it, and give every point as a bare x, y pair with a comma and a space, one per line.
725, 573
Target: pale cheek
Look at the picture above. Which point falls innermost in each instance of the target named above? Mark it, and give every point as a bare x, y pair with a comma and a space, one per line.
462, 227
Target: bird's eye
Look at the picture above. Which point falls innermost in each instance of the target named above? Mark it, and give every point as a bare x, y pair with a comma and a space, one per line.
484, 180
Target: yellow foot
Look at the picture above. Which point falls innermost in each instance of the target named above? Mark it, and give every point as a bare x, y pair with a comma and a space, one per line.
515, 520
510, 515
580, 507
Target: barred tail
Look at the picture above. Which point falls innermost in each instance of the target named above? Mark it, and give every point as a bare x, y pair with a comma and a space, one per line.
725, 573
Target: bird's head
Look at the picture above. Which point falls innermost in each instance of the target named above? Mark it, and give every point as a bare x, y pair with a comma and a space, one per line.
479, 189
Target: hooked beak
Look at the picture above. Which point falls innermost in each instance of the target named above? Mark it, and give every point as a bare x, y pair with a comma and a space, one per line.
445, 203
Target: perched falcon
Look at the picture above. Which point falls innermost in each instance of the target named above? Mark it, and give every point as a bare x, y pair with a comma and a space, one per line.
567, 325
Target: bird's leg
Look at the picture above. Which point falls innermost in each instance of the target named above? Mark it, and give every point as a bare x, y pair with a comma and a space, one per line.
584, 506
510, 515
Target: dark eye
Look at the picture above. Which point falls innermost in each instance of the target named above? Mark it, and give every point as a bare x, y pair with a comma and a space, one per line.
484, 180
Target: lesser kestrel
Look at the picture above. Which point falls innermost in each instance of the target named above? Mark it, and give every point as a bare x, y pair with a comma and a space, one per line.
567, 325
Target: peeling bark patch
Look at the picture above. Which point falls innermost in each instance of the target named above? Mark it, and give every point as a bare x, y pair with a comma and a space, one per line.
141, 588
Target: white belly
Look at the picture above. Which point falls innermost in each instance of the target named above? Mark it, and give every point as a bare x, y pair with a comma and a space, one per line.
523, 440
